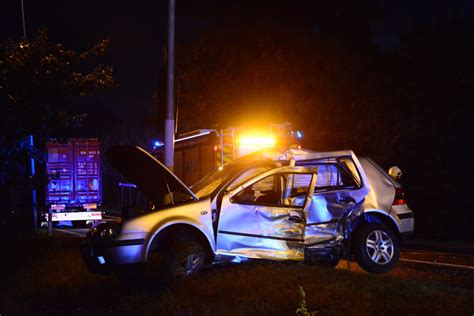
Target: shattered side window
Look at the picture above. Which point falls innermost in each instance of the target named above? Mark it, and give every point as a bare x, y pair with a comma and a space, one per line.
277, 190
297, 190
264, 192
334, 173
300, 184
328, 176
336, 176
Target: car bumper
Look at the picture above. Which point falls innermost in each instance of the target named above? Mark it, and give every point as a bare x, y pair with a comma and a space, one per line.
405, 219
105, 256
407, 235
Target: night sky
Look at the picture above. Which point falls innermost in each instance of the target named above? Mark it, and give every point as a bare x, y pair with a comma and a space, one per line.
137, 32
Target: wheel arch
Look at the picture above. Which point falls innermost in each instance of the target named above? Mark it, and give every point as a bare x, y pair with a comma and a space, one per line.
376, 216
163, 239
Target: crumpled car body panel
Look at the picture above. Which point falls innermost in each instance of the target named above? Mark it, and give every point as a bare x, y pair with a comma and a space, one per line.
307, 216
263, 231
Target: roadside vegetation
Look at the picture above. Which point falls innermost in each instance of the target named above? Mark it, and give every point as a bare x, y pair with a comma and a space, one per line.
48, 277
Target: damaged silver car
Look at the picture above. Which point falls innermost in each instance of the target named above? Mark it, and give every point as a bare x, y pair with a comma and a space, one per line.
278, 205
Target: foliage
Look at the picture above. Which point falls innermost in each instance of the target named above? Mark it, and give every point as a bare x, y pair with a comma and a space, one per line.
302, 309
38, 78
41, 84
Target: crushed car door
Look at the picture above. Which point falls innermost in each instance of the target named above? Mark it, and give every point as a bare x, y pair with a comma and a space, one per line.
265, 218
336, 191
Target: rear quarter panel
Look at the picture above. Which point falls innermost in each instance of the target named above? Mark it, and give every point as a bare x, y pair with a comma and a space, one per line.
382, 190
381, 196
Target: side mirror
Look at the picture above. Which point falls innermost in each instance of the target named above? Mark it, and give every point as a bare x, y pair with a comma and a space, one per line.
227, 193
395, 173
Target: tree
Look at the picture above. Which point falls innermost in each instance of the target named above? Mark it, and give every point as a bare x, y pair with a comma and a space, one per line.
41, 84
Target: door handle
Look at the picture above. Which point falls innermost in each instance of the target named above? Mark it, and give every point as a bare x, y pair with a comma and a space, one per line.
295, 218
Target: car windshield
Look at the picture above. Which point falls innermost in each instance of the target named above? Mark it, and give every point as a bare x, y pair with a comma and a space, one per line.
207, 185
214, 180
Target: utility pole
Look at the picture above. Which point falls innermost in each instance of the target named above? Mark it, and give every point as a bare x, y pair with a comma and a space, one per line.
32, 144
169, 119
23, 20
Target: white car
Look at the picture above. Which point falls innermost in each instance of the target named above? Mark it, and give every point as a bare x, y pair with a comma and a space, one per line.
278, 205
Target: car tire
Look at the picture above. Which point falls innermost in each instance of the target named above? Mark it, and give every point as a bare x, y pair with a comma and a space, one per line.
376, 248
184, 258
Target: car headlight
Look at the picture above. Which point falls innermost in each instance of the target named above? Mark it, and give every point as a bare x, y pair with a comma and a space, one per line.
105, 230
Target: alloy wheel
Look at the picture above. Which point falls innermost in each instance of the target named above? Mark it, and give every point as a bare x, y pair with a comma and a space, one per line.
190, 264
380, 247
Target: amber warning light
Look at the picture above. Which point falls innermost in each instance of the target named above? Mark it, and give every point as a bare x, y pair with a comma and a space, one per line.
251, 143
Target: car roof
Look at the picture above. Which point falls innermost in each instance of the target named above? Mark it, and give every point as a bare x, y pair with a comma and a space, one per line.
303, 154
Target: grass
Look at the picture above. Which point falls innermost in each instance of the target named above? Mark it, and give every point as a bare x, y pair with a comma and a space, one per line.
48, 277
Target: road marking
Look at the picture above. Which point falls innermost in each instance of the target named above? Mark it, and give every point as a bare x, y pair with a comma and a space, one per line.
429, 252
449, 265
69, 232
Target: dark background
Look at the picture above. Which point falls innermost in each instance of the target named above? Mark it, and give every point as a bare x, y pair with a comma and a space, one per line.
393, 81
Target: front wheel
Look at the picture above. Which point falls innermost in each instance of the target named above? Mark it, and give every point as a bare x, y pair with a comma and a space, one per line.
376, 248
184, 258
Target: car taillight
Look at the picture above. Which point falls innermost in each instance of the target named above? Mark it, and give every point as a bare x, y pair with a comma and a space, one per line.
399, 197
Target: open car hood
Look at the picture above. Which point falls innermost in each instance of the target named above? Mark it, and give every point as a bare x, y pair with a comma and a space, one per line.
146, 172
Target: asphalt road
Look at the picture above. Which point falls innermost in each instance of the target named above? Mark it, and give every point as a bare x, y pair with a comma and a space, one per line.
441, 259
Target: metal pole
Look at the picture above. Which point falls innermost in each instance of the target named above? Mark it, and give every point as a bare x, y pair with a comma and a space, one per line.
33, 190
23, 19
169, 120
31, 140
